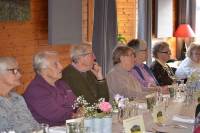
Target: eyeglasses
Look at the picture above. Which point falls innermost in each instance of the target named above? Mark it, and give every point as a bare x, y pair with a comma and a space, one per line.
165, 52
14, 70
91, 53
143, 50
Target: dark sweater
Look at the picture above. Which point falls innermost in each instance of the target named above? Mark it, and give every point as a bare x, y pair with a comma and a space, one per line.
161, 74
85, 84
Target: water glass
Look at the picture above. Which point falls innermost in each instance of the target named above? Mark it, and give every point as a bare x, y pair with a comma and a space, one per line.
73, 127
83, 130
120, 114
3, 131
44, 127
7, 130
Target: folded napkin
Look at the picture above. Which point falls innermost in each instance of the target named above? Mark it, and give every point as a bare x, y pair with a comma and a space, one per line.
142, 105
179, 100
57, 129
183, 119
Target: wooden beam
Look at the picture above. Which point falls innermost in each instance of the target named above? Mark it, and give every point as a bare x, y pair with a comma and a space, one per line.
90, 20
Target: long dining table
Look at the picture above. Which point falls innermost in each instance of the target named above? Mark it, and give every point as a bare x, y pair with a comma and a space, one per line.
174, 108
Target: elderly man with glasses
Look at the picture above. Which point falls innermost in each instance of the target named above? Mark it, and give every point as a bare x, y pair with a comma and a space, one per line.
84, 75
14, 113
49, 99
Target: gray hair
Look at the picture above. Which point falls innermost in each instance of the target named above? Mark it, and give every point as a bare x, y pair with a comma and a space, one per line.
40, 60
136, 44
193, 46
159, 46
79, 50
5, 62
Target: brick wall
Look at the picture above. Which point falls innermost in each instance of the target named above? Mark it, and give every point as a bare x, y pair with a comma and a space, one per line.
126, 13
23, 39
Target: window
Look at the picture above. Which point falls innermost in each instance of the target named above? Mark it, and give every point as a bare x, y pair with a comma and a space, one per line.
197, 17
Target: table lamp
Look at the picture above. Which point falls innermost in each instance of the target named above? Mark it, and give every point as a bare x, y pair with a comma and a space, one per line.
184, 31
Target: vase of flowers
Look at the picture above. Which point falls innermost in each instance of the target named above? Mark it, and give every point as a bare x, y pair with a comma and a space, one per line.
97, 116
106, 109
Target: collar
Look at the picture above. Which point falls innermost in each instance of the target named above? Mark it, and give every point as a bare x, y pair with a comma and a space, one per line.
120, 69
74, 65
140, 65
162, 64
40, 79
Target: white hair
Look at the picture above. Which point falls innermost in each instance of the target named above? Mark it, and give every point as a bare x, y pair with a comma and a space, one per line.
78, 50
5, 62
40, 60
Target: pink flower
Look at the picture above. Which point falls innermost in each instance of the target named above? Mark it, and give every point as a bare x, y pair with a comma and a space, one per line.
105, 107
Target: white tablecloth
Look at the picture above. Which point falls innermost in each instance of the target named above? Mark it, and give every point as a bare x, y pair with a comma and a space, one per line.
174, 109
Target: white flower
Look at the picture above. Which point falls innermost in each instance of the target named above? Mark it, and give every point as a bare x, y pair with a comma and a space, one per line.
118, 98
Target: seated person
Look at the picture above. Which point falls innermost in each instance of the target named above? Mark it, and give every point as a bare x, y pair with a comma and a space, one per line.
84, 75
197, 118
140, 70
162, 72
197, 108
119, 78
191, 63
14, 113
49, 99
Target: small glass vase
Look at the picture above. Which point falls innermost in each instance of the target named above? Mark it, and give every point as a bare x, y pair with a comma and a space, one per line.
107, 124
98, 125
89, 123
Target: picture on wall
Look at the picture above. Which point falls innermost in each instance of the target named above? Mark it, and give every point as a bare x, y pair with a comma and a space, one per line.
14, 10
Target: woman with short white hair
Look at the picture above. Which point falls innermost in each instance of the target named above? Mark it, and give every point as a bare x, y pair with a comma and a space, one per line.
49, 99
14, 113
191, 63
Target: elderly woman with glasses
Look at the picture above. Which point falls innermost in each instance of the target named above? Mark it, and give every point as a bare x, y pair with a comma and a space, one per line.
49, 99
191, 64
84, 75
119, 78
140, 70
162, 72
14, 113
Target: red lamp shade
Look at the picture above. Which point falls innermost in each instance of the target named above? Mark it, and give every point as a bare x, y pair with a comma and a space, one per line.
184, 30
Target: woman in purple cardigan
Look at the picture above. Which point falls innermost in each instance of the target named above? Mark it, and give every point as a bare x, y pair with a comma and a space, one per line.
140, 70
